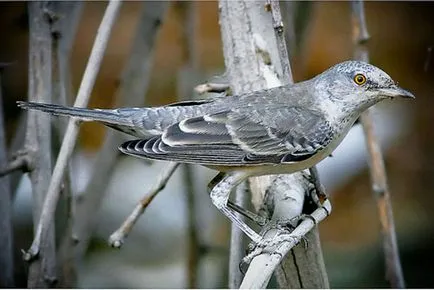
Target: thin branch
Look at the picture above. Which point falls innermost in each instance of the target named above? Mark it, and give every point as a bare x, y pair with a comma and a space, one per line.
263, 266
131, 93
19, 163
71, 134
378, 173
6, 232
211, 88
42, 273
116, 239
274, 8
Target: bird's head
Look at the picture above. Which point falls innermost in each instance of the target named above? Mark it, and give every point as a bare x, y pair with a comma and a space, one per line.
358, 84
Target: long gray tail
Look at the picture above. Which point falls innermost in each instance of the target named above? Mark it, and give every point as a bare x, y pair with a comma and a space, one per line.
117, 119
106, 116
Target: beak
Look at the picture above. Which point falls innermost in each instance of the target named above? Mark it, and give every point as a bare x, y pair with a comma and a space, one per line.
396, 92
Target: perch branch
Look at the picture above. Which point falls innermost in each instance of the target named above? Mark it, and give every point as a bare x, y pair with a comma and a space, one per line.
378, 173
262, 266
117, 238
254, 67
71, 134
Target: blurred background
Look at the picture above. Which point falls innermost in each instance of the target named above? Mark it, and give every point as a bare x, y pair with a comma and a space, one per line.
187, 52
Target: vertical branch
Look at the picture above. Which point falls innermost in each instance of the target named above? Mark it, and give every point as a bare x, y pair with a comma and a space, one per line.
376, 163
65, 19
6, 233
131, 92
257, 59
71, 134
42, 273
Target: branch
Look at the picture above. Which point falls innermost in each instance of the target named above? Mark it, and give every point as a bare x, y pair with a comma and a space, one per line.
378, 173
274, 8
263, 65
131, 93
42, 273
65, 17
70, 138
211, 88
289, 192
21, 162
6, 232
116, 239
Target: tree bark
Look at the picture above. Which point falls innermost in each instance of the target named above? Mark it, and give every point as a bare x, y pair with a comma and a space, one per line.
42, 271
254, 60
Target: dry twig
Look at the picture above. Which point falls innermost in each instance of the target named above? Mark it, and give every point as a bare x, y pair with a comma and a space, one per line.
378, 173
70, 138
117, 238
21, 163
211, 88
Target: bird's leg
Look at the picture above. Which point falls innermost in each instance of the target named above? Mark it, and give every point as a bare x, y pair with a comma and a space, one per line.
258, 219
318, 195
220, 196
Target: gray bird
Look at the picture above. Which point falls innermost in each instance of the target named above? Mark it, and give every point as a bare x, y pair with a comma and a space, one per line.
274, 131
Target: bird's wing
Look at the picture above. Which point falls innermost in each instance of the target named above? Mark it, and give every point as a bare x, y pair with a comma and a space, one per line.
246, 136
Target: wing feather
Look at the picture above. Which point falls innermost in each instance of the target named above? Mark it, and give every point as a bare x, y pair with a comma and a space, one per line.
247, 136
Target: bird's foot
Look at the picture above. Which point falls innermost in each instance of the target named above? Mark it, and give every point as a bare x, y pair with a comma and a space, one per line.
283, 234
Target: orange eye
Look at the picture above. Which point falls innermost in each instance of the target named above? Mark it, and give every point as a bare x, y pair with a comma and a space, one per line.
359, 79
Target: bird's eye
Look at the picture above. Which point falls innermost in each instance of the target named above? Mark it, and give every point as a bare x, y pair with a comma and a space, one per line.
359, 79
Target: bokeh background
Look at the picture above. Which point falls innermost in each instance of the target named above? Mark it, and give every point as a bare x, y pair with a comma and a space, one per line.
155, 254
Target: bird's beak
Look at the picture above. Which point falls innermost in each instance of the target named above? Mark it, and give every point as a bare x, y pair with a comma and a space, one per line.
396, 92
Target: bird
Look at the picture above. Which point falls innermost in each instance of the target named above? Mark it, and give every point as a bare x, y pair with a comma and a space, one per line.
279, 130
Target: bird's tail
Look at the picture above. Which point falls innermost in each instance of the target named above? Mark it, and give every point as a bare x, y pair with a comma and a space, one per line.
83, 114
117, 119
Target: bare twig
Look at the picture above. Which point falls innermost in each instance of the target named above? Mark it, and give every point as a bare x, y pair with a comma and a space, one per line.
42, 273
70, 138
378, 173
211, 88
6, 233
117, 238
263, 266
19, 163
131, 92
274, 8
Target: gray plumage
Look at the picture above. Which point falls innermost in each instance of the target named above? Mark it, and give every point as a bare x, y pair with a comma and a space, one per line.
278, 130
279, 125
